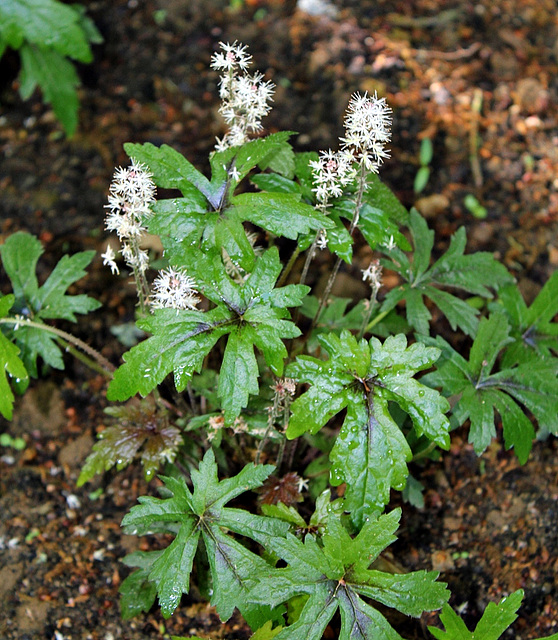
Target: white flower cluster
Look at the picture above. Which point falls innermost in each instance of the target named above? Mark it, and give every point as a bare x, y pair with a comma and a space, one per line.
330, 173
244, 98
173, 289
131, 194
367, 129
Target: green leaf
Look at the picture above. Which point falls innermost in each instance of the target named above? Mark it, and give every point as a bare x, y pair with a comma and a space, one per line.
20, 254
180, 342
279, 213
57, 79
170, 169
230, 166
336, 575
421, 179
370, 454
495, 620
535, 388
88, 26
457, 311
423, 242
375, 223
426, 152
230, 235
138, 594
51, 301
185, 223
273, 152
480, 390
47, 24
275, 183
536, 336
11, 365
339, 240
545, 305
282, 161
202, 514
266, 632
475, 273
181, 222
380, 196
251, 312
492, 336
239, 374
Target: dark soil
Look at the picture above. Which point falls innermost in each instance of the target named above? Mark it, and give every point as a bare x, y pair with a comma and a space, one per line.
489, 525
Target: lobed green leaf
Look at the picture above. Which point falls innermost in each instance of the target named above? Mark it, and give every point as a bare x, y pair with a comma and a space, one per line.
335, 575
495, 620
370, 453
10, 363
58, 80
202, 514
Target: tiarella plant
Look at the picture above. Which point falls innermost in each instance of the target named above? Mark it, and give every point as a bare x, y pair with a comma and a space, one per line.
335, 397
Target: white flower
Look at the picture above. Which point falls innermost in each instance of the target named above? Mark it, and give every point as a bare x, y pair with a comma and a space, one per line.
321, 239
136, 258
125, 226
108, 260
244, 97
367, 127
173, 289
132, 191
233, 55
131, 194
284, 387
390, 244
234, 175
331, 173
373, 274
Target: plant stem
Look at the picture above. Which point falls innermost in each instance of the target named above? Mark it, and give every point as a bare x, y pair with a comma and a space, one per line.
366, 318
88, 362
424, 452
376, 320
309, 257
272, 415
354, 222
288, 268
286, 416
96, 361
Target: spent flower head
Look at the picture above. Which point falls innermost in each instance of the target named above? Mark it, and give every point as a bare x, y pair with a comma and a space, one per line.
373, 274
